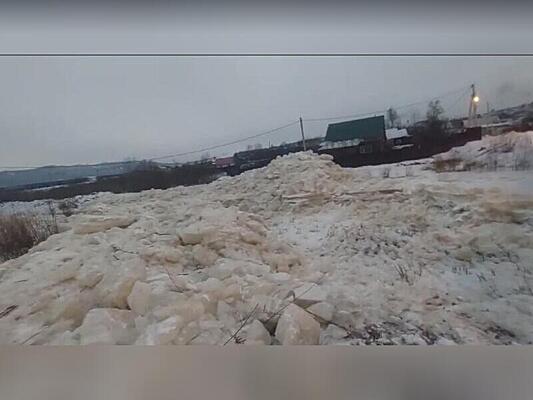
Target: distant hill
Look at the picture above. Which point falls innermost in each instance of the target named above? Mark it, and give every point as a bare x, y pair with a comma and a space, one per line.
57, 173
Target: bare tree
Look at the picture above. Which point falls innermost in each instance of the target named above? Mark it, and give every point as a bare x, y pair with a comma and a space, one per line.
434, 111
392, 118
435, 122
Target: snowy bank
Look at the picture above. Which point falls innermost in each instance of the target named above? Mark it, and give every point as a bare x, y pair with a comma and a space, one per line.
512, 150
299, 252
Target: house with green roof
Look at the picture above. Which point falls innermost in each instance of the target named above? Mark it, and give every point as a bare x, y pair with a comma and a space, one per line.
367, 133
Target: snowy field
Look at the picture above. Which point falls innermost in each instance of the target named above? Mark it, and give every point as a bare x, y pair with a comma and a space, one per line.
41, 206
299, 252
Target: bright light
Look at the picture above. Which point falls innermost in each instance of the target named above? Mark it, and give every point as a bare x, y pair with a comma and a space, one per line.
476, 99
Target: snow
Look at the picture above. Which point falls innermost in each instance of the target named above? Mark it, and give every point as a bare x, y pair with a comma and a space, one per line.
41, 206
340, 144
301, 251
395, 133
513, 150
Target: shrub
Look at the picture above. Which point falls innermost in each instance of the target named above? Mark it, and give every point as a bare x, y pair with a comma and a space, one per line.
20, 232
446, 165
67, 207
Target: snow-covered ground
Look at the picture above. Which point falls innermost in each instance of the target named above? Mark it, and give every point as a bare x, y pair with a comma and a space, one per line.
41, 206
509, 151
299, 252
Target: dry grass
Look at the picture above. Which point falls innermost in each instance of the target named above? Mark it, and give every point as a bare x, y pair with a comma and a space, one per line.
20, 232
442, 165
67, 207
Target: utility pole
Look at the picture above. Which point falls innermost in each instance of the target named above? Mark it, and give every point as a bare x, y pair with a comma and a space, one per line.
303, 136
472, 110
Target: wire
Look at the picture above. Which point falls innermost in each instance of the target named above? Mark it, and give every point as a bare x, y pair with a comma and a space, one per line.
277, 129
225, 144
461, 97
383, 111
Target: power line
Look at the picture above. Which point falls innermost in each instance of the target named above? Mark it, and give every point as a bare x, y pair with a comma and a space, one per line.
225, 144
383, 111
461, 97
265, 133
462, 90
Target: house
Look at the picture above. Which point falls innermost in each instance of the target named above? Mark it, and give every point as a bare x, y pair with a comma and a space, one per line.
398, 138
368, 134
224, 162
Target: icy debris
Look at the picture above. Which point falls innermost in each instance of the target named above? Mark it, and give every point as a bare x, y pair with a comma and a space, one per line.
190, 310
512, 150
297, 326
309, 294
322, 310
116, 285
203, 256
90, 278
256, 333
333, 334
445, 342
226, 314
162, 255
208, 337
210, 285
433, 256
413, 339
70, 307
268, 306
280, 277
222, 270
204, 332
43, 301
141, 323
161, 333
182, 283
231, 293
140, 297
63, 273
107, 326
100, 224
66, 338
188, 333
191, 236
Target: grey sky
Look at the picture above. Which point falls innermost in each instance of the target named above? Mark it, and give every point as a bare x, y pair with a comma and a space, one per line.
85, 110
70, 110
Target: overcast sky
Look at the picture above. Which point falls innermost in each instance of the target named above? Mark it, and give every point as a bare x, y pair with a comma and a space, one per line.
84, 110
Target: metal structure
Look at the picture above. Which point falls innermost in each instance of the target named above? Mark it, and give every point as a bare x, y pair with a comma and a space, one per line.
303, 136
472, 110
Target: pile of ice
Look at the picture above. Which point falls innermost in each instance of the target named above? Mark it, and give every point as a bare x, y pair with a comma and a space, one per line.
513, 150
116, 279
287, 182
299, 252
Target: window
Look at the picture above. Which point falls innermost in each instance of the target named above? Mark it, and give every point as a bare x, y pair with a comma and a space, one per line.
365, 149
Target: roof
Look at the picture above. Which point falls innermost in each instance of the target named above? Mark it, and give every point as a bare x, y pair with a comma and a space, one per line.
224, 161
395, 133
372, 128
